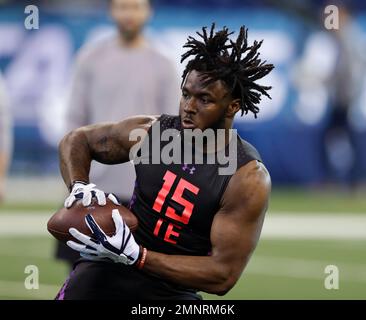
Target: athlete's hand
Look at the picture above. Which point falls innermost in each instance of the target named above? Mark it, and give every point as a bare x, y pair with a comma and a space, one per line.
87, 192
121, 248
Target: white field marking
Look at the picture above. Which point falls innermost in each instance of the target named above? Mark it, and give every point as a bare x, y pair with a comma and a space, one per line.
304, 268
276, 225
16, 289
315, 226
23, 224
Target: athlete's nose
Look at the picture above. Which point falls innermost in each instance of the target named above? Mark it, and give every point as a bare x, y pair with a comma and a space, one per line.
190, 105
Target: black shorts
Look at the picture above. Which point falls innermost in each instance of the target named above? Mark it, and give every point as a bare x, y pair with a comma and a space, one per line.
111, 281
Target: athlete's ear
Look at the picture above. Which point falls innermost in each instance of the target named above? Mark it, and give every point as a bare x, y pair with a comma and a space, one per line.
233, 108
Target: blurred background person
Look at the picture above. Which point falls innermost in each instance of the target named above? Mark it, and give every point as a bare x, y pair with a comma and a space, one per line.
117, 77
342, 158
5, 138
339, 72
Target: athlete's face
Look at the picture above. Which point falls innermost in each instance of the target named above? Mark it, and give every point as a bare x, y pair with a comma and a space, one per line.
205, 107
130, 16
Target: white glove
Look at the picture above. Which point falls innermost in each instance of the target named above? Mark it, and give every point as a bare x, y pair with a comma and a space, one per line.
86, 192
121, 248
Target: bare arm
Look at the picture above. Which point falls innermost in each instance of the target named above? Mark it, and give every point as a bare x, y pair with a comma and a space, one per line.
106, 143
234, 235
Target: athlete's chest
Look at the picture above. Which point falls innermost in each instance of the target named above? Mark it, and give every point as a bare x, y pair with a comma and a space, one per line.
187, 196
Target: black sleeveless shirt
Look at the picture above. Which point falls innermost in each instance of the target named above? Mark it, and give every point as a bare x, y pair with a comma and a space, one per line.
176, 203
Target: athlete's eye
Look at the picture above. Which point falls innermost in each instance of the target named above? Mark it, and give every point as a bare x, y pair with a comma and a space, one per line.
204, 100
185, 95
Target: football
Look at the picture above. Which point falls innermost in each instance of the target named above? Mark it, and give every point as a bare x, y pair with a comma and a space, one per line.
64, 219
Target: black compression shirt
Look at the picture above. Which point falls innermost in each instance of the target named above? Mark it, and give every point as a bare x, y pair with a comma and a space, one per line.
176, 203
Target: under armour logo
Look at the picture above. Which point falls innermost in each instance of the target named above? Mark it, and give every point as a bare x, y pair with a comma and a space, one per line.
191, 169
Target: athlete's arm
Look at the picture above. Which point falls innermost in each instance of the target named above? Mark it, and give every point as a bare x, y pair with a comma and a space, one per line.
107, 143
234, 234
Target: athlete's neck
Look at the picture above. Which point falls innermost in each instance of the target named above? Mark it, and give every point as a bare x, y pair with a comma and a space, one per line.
220, 140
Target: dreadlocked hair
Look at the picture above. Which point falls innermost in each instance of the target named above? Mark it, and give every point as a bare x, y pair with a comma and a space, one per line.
217, 57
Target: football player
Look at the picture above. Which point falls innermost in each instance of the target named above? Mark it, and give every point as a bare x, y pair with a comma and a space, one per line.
197, 227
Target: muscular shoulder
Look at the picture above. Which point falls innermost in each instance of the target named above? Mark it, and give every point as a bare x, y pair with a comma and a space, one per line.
143, 122
248, 188
254, 172
120, 129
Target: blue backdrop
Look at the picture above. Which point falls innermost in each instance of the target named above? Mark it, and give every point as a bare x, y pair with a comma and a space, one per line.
37, 63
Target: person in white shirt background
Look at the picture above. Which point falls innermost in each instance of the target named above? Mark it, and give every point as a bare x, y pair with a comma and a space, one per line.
117, 77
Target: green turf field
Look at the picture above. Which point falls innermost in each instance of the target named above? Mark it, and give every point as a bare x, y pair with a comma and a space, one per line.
279, 268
